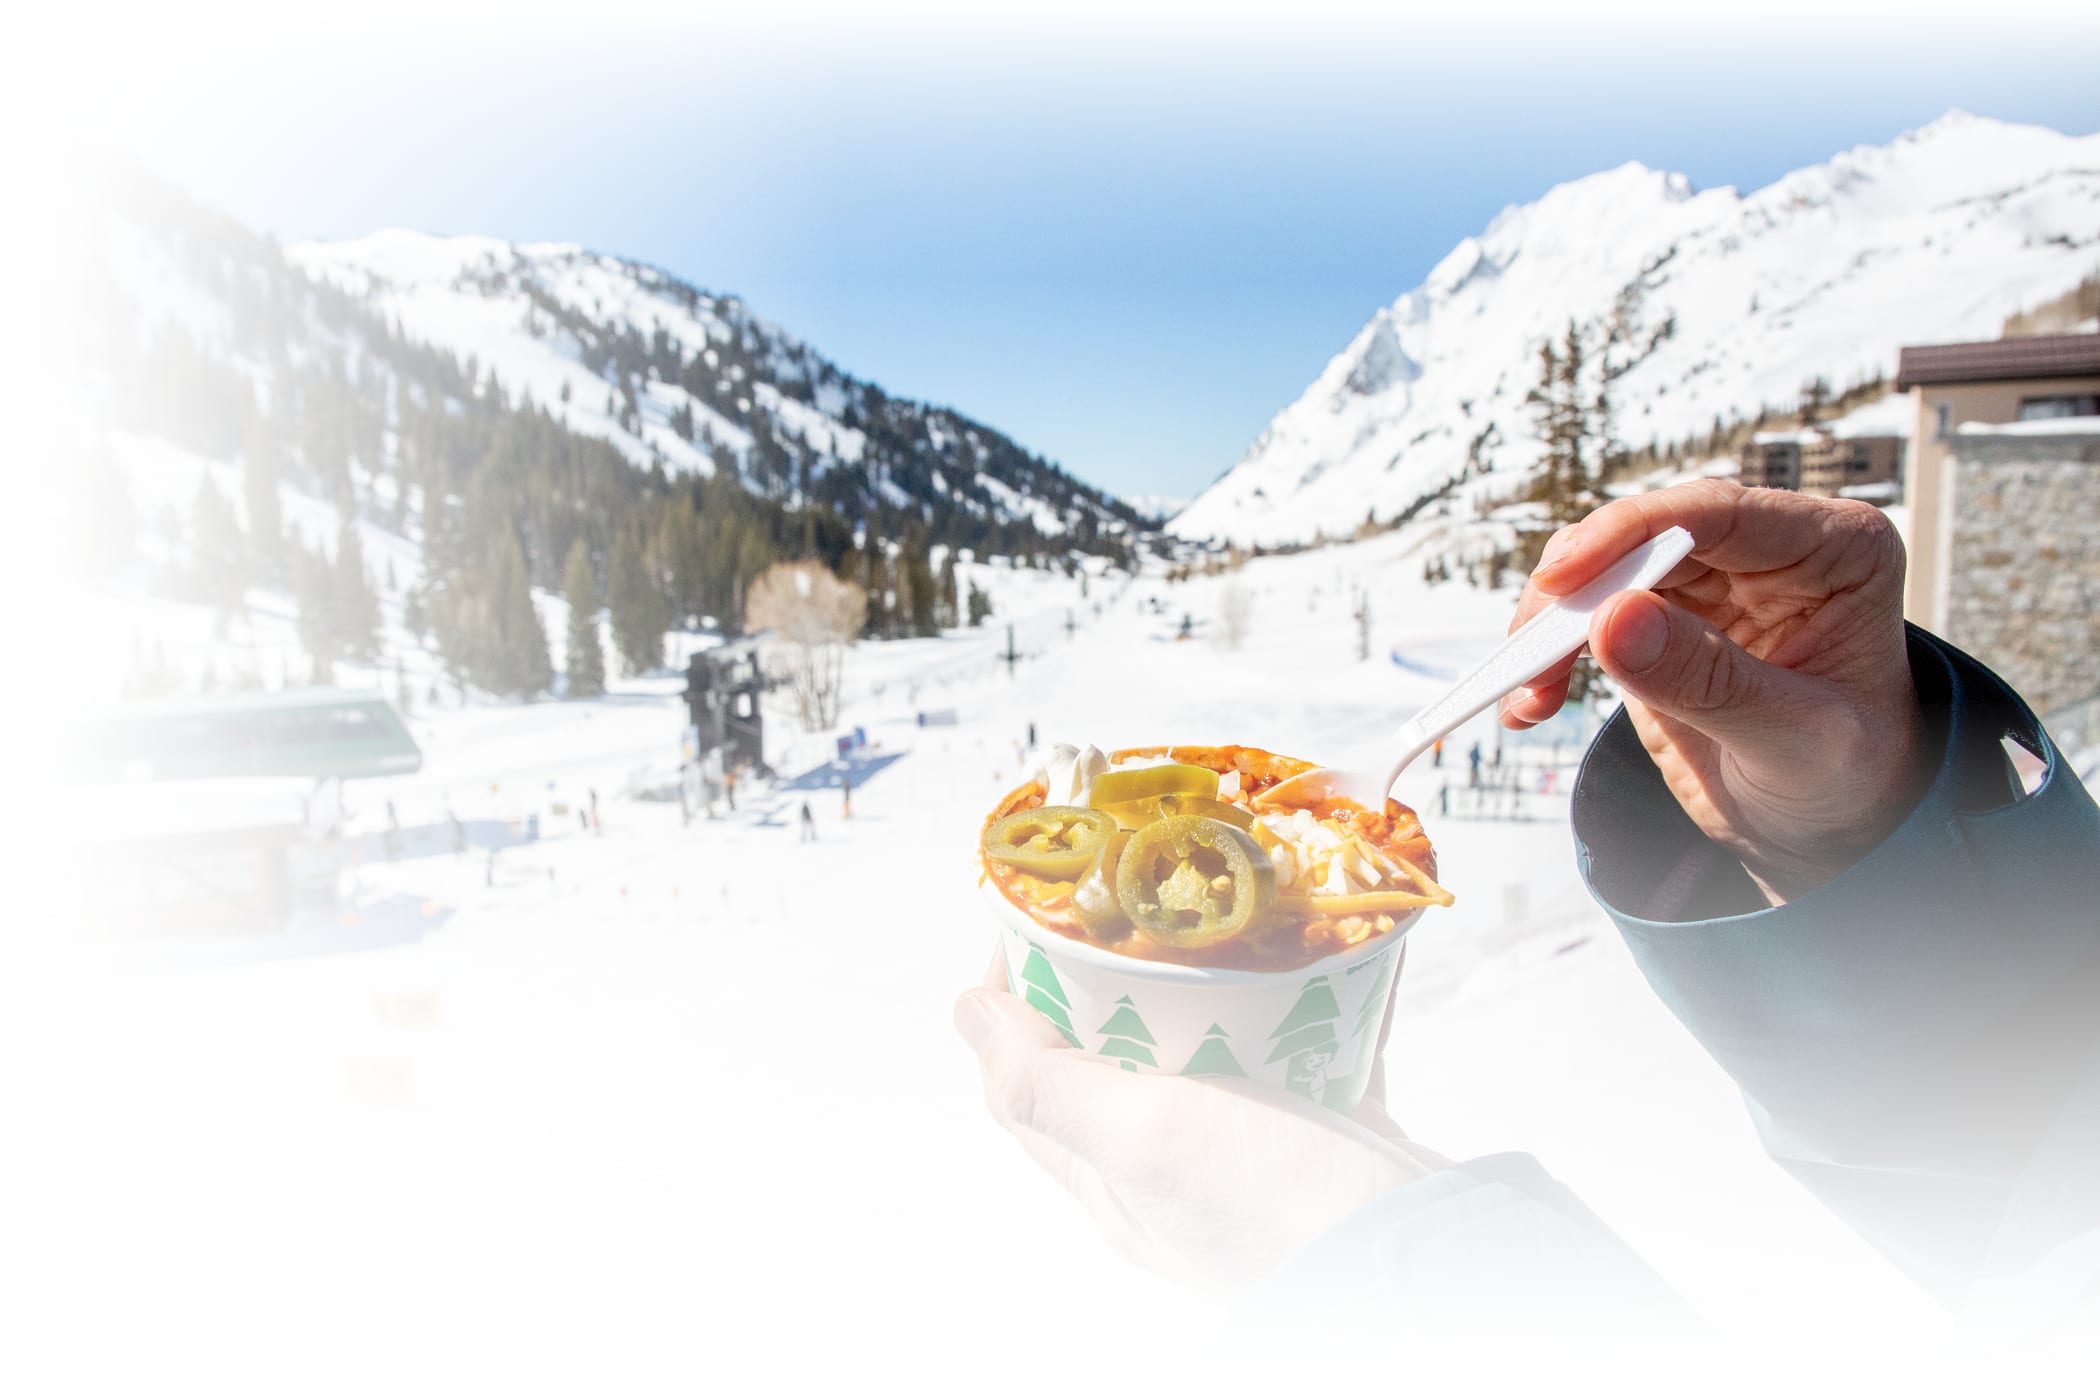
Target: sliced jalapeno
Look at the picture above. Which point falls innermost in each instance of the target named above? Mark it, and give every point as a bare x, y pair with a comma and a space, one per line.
1057, 843
1120, 785
1132, 816
1191, 882
1095, 902
1183, 805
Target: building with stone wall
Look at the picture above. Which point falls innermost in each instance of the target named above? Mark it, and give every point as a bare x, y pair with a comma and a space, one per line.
2036, 379
2020, 533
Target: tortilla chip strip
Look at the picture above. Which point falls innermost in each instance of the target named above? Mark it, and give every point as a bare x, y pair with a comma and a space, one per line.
1438, 895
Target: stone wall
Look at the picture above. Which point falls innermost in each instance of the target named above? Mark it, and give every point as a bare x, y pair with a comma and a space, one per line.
2023, 592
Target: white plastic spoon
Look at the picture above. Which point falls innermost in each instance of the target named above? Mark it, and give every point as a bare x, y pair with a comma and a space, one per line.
1556, 632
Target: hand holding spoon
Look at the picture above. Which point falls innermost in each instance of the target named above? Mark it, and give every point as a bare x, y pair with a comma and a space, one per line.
1557, 631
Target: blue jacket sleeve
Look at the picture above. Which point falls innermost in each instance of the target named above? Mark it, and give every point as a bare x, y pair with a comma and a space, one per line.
1919, 1040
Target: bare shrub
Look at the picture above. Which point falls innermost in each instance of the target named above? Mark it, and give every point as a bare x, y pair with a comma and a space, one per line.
812, 616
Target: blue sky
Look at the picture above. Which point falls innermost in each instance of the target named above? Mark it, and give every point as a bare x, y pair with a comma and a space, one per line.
1126, 244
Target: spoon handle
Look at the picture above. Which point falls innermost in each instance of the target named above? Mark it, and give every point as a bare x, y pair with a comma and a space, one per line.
1557, 631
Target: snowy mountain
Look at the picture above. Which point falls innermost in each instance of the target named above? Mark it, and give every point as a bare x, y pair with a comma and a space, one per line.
696, 382
1725, 303
405, 456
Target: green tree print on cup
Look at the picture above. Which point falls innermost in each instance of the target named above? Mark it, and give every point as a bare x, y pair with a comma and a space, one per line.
1367, 1018
1368, 1014
1214, 1056
1306, 1042
1046, 994
1129, 1040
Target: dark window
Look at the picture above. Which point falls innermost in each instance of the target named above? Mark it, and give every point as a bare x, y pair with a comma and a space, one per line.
1945, 424
2060, 406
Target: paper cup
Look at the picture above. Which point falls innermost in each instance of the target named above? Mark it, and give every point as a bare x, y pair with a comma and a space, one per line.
1312, 1030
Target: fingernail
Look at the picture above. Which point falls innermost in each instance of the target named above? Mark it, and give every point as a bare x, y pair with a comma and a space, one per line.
1639, 633
973, 1019
1556, 550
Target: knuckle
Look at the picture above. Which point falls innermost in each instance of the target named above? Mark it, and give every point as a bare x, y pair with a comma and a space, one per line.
1716, 679
1010, 1092
1865, 540
1859, 516
1718, 490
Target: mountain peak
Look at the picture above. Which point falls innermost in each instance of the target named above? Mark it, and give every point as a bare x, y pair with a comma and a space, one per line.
1734, 301
400, 256
1951, 120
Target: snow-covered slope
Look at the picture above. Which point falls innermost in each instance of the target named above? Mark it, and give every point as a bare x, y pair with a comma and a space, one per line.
235, 418
694, 381
1738, 299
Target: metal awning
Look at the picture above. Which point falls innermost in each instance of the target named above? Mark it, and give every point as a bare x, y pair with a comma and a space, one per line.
315, 733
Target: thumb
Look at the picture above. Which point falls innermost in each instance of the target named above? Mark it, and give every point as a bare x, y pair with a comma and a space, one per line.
1010, 1038
991, 1019
1680, 665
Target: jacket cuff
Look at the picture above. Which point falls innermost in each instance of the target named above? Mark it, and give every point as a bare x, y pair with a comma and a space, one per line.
1495, 1238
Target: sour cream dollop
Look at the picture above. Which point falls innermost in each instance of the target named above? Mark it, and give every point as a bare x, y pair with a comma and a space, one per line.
1067, 773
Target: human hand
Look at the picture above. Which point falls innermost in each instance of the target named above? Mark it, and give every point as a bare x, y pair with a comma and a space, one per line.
1203, 1181
1767, 675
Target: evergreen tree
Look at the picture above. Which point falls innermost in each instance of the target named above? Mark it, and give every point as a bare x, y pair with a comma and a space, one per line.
980, 605
415, 617
314, 597
1815, 397
586, 654
356, 607
754, 555
1566, 483
902, 576
681, 544
518, 661
1612, 455
218, 551
875, 582
948, 613
636, 604
259, 473
324, 420
487, 628
915, 577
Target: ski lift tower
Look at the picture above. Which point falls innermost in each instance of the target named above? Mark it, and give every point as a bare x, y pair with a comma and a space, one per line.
722, 690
